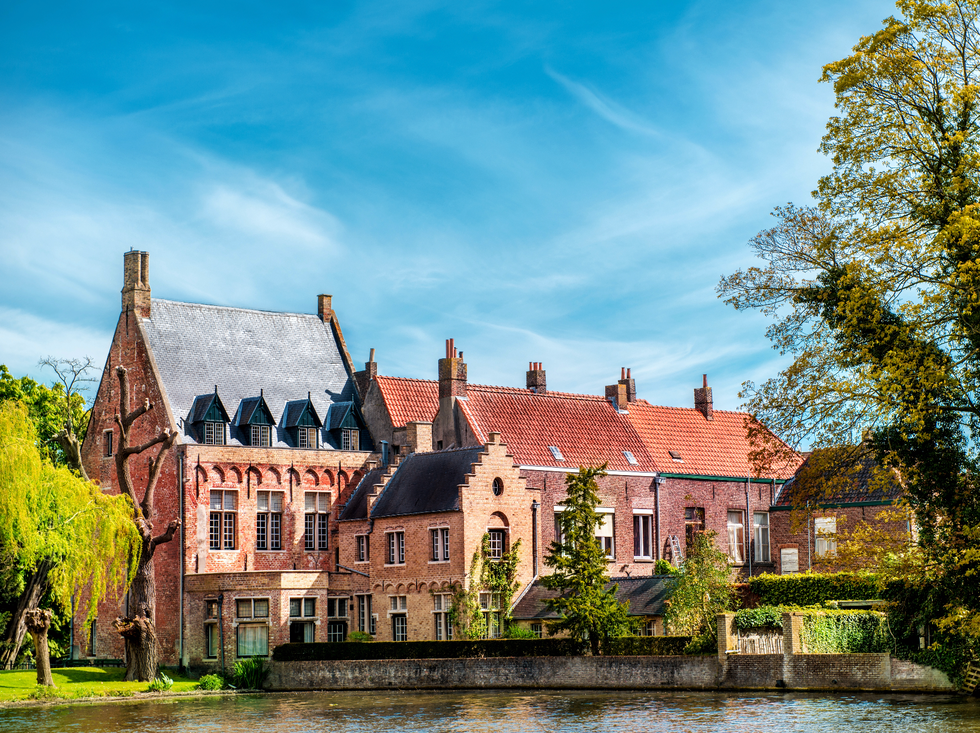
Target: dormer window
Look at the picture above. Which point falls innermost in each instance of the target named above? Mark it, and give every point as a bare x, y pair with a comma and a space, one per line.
301, 423
346, 428
350, 439
255, 421
208, 417
261, 435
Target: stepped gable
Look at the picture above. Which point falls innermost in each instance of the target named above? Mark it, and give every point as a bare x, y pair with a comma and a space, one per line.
244, 352
646, 595
427, 482
409, 400
716, 447
356, 507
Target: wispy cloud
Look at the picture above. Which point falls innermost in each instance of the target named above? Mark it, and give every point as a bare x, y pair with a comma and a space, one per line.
607, 109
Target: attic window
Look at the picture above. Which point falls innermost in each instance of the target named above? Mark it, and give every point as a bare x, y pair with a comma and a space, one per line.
556, 453
630, 459
676, 456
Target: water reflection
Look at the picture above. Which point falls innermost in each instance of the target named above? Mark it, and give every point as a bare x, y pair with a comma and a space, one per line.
578, 712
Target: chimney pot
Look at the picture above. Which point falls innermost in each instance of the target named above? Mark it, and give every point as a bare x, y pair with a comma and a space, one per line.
536, 379
702, 400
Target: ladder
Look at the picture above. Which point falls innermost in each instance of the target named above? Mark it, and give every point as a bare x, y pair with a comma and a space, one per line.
675, 551
972, 677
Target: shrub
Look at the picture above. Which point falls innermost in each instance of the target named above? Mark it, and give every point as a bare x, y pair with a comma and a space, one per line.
662, 567
812, 589
161, 684
359, 636
520, 632
754, 618
846, 632
249, 673
646, 645
211, 682
703, 644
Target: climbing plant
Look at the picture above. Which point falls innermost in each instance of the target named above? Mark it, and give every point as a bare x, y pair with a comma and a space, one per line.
486, 575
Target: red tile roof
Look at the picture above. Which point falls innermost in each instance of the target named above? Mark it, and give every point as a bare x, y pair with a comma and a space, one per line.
409, 400
587, 429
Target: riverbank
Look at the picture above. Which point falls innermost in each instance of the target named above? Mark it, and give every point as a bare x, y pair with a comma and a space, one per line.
86, 683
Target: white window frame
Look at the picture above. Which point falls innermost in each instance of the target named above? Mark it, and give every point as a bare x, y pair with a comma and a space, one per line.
214, 433
316, 521
825, 537
252, 621
643, 534
441, 606
736, 536
395, 547
260, 436
350, 439
608, 524
439, 541
362, 548
762, 551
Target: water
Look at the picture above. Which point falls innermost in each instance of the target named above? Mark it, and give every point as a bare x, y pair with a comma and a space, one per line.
434, 712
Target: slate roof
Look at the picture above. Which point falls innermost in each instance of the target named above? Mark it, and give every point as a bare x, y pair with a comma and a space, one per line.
244, 351
851, 485
588, 430
356, 507
294, 411
202, 404
646, 596
426, 482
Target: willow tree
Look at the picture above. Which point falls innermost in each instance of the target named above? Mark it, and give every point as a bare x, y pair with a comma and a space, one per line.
875, 290
60, 529
139, 629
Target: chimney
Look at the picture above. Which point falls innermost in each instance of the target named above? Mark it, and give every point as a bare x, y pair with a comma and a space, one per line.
363, 378
136, 283
616, 393
418, 435
324, 307
452, 373
535, 378
627, 380
702, 400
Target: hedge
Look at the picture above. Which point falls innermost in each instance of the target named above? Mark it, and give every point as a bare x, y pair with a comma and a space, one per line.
812, 589
482, 648
846, 632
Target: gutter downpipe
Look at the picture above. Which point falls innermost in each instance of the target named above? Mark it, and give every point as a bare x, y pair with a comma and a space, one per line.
180, 592
656, 499
748, 526
534, 536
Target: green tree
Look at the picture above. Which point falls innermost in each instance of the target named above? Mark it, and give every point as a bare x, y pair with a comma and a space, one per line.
60, 529
703, 590
588, 609
495, 576
875, 291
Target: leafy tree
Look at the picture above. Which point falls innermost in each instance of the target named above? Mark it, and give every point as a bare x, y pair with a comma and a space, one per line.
588, 609
875, 291
61, 529
703, 590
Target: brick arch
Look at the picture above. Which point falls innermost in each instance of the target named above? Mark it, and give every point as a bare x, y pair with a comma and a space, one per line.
202, 475
276, 476
342, 480
401, 588
254, 475
294, 477
498, 520
235, 476
310, 477
218, 476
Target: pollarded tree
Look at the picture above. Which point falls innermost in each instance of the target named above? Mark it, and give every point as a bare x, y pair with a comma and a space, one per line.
59, 528
588, 609
139, 629
876, 290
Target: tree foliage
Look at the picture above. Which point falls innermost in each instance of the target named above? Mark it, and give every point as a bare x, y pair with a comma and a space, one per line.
588, 609
52, 518
875, 290
703, 589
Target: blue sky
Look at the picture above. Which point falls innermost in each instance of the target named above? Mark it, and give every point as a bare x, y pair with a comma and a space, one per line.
554, 182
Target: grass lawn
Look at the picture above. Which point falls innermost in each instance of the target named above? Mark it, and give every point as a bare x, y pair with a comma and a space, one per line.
74, 682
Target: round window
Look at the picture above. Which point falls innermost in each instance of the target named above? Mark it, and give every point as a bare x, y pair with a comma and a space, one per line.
498, 487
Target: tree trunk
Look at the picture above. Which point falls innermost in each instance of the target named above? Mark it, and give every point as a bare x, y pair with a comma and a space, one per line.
35, 586
138, 628
38, 622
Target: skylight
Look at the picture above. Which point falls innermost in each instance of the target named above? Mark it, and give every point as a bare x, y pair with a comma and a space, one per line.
676, 456
556, 453
630, 459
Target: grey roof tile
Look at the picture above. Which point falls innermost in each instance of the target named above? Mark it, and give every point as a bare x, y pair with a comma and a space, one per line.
646, 594
426, 482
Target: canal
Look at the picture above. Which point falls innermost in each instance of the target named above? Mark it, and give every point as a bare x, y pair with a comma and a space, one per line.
550, 711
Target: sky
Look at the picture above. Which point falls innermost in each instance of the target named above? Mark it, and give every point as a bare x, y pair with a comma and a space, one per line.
554, 182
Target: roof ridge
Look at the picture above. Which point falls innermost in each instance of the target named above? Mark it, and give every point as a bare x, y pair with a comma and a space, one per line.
231, 308
407, 379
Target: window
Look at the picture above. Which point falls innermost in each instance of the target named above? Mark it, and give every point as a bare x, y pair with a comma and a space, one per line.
365, 619
398, 603
107, 443
440, 544
399, 627
212, 640
649, 628
92, 637
253, 638
214, 433
490, 607
317, 505
825, 532
693, 523
224, 519
350, 439
396, 548
675, 455
605, 534
302, 630
497, 487
302, 607
337, 607
760, 531
268, 520
789, 560
537, 629
441, 605
630, 459
498, 543
363, 548
336, 631
643, 536
211, 609
556, 454
306, 437
261, 436
736, 537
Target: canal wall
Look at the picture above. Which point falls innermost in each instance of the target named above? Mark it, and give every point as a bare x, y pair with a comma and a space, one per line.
870, 672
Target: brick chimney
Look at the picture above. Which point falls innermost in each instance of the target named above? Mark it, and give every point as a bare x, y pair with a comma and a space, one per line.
136, 283
363, 378
627, 380
702, 400
535, 378
452, 373
616, 393
418, 435
324, 307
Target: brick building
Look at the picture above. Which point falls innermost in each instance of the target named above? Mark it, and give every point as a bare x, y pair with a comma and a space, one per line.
271, 442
